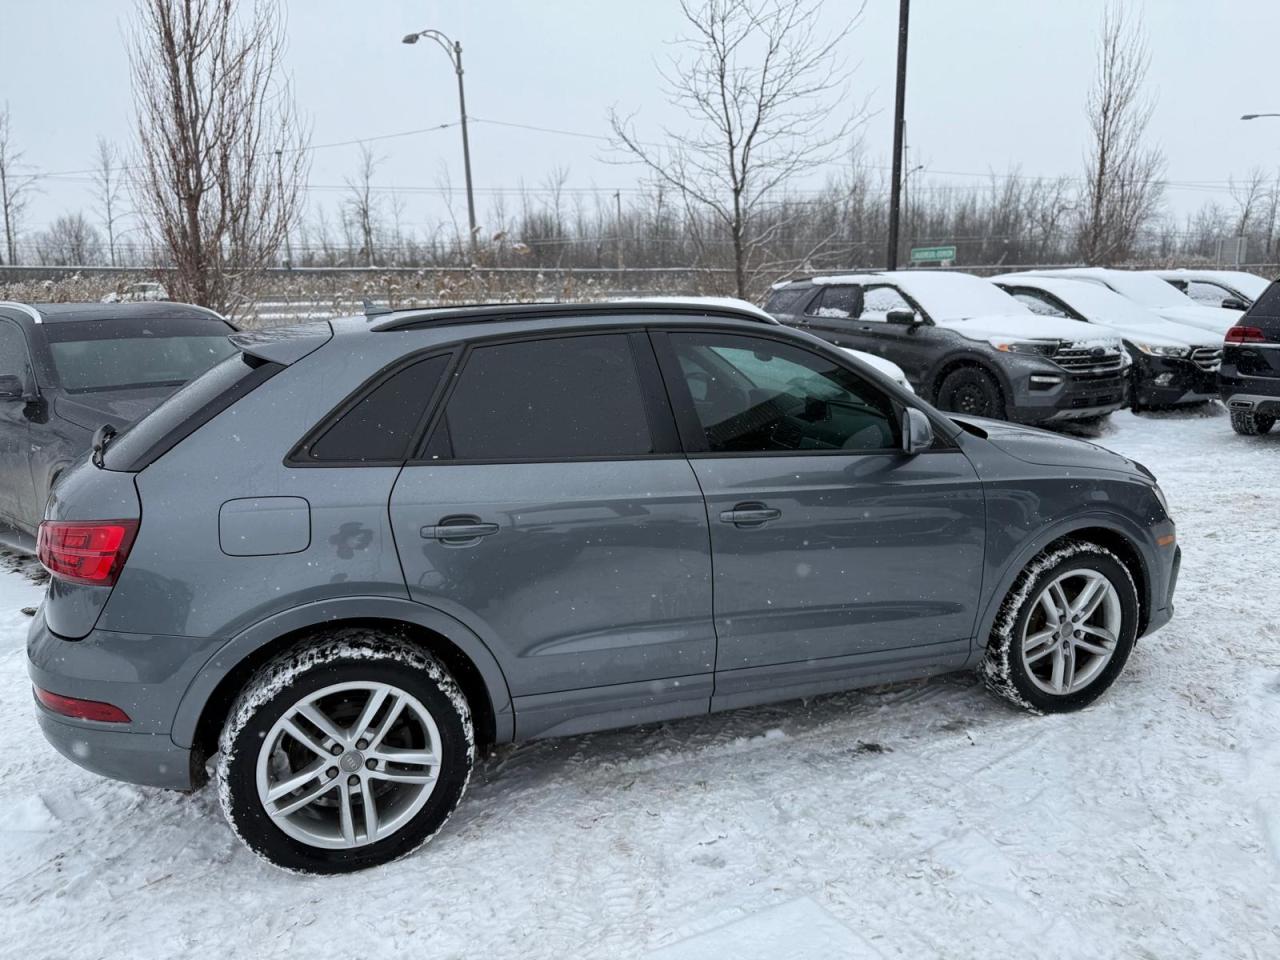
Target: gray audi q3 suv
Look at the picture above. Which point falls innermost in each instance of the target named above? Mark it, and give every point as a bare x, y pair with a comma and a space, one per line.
355, 554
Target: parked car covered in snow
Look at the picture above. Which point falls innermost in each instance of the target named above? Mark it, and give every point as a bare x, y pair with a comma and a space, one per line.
964, 343
1172, 363
1228, 289
67, 369
145, 292
1250, 376
1151, 293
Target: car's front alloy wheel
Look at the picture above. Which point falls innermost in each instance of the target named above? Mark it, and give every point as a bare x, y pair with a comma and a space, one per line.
345, 754
1065, 630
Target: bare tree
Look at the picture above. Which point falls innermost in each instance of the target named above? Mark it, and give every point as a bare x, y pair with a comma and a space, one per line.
1123, 188
70, 240
1249, 194
108, 188
362, 207
757, 84
213, 109
15, 187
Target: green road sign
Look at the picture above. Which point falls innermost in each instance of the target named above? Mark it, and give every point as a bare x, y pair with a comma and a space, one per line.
925, 254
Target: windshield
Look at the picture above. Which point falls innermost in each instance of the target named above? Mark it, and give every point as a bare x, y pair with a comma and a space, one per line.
125, 354
1148, 290
1100, 305
956, 296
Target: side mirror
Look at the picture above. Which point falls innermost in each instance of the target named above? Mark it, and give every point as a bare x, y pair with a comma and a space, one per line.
917, 432
11, 387
1232, 303
904, 318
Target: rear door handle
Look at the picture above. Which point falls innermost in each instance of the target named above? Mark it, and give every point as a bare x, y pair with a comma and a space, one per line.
459, 529
751, 514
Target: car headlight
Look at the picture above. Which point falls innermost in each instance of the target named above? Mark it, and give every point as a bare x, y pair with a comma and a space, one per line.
1043, 348
1156, 350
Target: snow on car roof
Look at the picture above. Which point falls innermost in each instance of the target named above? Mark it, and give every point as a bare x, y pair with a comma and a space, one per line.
1144, 288
1250, 284
944, 294
1092, 300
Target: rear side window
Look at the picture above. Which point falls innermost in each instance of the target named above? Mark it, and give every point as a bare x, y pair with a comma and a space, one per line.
557, 399
186, 410
1265, 312
382, 423
788, 300
838, 303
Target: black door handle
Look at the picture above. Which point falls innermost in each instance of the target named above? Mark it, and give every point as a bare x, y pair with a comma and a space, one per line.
459, 529
750, 514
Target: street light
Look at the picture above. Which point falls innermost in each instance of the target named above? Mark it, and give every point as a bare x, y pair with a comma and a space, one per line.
453, 50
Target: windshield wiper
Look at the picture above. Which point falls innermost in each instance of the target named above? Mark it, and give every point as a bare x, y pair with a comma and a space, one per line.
101, 437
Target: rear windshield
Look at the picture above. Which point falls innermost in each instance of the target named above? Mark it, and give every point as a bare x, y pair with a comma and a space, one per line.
195, 404
91, 356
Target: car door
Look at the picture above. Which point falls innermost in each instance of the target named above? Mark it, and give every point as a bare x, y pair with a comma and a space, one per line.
833, 315
17, 491
553, 512
835, 554
914, 347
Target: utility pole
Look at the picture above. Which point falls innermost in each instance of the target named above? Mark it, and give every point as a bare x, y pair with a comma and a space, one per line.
617, 199
288, 250
899, 128
453, 50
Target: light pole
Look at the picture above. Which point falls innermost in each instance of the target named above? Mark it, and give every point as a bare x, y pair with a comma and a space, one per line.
899, 129
1255, 116
453, 50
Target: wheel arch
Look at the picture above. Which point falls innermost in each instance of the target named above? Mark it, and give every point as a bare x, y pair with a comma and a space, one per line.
1114, 533
953, 363
204, 706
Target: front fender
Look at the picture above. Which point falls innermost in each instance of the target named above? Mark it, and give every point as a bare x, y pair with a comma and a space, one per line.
327, 612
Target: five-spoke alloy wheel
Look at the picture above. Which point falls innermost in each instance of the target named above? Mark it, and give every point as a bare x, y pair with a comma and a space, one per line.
345, 753
1065, 630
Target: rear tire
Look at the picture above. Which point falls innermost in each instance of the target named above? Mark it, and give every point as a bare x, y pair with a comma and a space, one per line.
1250, 424
973, 391
1065, 630
375, 738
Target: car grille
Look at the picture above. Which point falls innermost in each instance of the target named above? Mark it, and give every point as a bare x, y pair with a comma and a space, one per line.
1207, 358
1088, 360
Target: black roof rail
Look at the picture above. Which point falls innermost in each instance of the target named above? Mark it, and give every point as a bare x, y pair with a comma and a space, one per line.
26, 308
498, 312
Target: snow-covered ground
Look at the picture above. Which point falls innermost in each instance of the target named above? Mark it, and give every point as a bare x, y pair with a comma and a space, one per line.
922, 820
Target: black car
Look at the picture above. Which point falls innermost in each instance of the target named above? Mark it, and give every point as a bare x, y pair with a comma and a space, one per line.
1249, 379
67, 369
964, 344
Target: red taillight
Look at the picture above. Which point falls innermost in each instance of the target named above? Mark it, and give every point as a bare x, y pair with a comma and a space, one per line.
81, 709
92, 553
1246, 335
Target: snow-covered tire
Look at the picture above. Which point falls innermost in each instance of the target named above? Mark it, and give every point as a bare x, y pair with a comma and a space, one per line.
1250, 424
344, 670
971, 390
1006, 669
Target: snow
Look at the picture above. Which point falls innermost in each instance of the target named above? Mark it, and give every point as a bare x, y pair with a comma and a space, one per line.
920, 820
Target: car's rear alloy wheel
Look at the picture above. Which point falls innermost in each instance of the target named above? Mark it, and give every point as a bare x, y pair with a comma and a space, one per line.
972, 391
1065, 630
345, 754
1251, 424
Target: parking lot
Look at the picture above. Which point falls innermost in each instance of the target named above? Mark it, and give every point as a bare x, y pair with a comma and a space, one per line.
924, 819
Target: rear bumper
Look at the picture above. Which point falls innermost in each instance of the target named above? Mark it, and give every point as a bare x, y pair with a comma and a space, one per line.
144, 676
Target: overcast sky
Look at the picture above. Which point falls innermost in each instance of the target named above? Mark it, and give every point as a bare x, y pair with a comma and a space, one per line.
992, 83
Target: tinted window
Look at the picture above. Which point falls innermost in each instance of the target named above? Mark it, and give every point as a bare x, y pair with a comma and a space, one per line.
1265, 312
788, 300
546, 400
1207, 294
838, 303
121, 354
196, 403
879, 301
761, 396
381, 425
13, 352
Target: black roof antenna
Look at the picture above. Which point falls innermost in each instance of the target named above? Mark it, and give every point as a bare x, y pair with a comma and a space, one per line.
372, 312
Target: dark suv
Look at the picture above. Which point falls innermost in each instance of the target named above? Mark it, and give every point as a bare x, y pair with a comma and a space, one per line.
1249, 378
354, 554
964, 343
67, 369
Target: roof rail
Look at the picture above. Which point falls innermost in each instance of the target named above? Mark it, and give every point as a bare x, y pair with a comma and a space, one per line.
499, 312
26, 308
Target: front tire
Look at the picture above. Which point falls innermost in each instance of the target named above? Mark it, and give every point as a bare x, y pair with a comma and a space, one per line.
346, 753
973, 391
1250, 424
1065, 630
